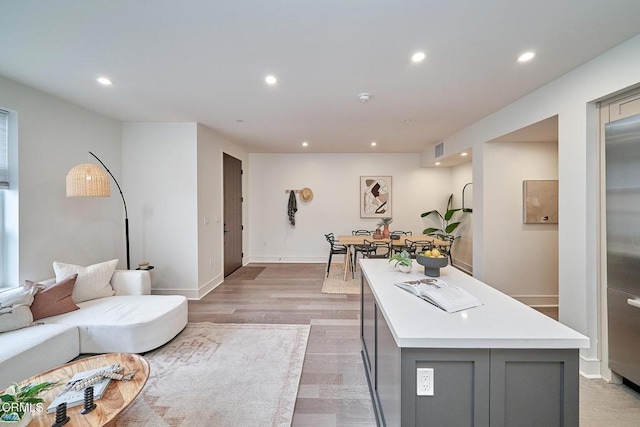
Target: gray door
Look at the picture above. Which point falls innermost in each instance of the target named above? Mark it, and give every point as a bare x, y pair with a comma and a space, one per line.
232, 182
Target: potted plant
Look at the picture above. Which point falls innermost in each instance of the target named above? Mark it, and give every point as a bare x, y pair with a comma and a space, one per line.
447, 223
384, 222
403, 261
17, 403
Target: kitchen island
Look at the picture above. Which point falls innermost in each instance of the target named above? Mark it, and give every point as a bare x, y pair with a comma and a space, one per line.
499, 364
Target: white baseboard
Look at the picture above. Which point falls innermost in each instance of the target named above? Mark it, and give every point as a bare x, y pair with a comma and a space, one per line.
294, 260
590, 368
192, 294
539, 301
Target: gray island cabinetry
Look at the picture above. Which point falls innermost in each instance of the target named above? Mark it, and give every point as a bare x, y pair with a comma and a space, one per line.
500, 364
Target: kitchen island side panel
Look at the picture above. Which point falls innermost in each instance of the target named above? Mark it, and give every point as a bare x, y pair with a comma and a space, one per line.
534, 388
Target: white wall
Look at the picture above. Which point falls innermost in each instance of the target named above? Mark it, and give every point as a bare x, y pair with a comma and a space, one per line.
160, 174
335, 181
572, 97
53, 137
173, 173
211, 147
462, 251
525, 265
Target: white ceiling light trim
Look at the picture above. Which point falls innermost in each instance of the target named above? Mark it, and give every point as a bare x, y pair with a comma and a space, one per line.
104, 81
526, 57
271, 79
418, 57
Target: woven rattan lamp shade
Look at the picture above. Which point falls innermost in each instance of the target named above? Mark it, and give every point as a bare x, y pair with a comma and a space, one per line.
87, 180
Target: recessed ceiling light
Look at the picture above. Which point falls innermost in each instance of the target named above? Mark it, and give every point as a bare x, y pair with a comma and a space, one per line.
408, 121
373, 143
418, 57
239, 121
305, 144
437, 163
526, 57
271, 79
104, 81
464, 153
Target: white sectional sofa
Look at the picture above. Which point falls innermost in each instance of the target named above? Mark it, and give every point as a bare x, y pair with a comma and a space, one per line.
131, 321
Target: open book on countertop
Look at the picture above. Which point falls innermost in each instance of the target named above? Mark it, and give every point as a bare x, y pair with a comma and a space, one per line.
450, 298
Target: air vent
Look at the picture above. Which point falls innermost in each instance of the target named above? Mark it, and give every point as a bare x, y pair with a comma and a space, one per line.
439, 149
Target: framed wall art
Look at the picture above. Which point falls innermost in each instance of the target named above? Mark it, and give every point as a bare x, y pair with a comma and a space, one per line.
375, 196
540, 201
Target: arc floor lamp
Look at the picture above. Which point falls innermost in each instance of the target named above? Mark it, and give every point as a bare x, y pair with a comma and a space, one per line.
88, 180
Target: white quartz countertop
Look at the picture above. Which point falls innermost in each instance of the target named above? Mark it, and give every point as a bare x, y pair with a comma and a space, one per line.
501, 322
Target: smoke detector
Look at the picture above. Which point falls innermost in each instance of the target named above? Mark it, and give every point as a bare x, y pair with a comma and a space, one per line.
364, 97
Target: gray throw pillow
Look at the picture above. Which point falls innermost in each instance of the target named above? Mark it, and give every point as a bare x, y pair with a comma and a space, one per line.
14, 308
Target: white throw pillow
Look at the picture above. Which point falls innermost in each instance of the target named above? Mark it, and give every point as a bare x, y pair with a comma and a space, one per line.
14, 308
93, 281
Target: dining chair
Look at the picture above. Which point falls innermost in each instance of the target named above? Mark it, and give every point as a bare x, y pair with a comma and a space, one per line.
400, 235
359, 248
335, 248
418, 246
446, 250
377, 249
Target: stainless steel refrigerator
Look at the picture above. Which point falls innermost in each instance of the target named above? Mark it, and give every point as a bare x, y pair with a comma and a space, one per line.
622, 142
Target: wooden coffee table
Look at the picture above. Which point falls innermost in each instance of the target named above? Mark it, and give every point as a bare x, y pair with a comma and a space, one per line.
116, 398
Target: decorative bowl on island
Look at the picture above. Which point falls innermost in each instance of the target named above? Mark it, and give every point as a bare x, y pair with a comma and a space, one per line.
431, 265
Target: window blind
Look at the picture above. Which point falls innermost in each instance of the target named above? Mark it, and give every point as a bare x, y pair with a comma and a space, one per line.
4, 142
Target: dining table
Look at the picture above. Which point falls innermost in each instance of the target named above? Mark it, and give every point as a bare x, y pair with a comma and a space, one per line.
350, 240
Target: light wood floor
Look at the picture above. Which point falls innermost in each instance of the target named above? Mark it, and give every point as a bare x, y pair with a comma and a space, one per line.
333, 387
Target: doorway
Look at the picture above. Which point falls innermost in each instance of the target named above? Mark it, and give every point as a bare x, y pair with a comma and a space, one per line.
232, 201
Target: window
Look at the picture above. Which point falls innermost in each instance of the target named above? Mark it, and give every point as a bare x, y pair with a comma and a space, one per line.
4, 142
4, 184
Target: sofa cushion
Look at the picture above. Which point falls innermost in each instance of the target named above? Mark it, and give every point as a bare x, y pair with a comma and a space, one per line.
14, 308
127, 323
92, 282
52, 300
29, 351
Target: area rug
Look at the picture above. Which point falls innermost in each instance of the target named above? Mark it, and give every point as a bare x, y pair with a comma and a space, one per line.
222, 375
246, 273
335, 283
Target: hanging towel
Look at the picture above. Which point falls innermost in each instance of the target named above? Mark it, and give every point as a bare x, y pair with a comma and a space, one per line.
292, 207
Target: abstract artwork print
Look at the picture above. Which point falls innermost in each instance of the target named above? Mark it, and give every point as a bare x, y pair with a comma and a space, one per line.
375, 196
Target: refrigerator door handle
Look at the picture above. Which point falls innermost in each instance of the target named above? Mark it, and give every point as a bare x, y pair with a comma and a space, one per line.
634, 302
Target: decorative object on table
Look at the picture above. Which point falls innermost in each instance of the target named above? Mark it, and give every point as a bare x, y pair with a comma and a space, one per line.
540, 201
375, 196
144, 265
61, 415
17, 402
292, 207
377, 234
384, 223
88, 180
89, 405
403, 261
73, 392
432, 265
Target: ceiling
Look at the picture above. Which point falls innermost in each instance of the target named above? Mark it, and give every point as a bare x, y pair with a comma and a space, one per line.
205, 61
